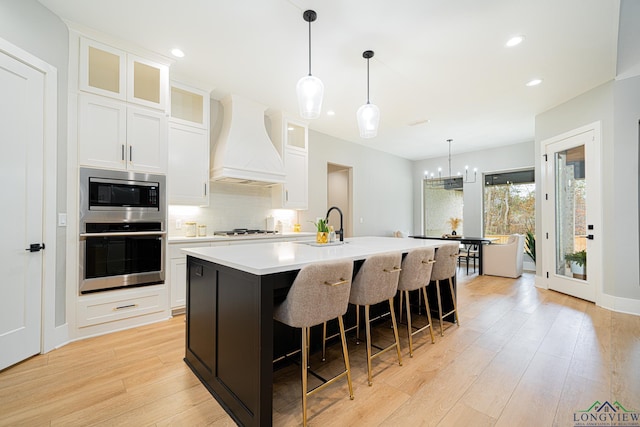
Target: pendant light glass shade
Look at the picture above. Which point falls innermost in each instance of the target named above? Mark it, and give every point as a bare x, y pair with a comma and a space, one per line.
368, 119
369, 114
310, 89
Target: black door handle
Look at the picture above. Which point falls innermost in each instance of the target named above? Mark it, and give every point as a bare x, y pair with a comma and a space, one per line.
35, 247
590, 236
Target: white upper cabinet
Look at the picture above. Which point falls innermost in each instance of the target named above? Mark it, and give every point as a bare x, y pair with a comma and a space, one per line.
291, 138
115, 135
112, 72
188, 174
189, 106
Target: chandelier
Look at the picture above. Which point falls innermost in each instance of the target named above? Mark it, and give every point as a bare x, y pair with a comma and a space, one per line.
449, 182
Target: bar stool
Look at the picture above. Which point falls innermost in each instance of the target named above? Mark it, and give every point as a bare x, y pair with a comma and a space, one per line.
443, 269
320, 292
416, 274
377, 281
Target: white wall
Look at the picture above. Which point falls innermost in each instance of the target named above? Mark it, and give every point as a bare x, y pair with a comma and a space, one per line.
517, 156
33, 28
625, 177
382, 188
617, 106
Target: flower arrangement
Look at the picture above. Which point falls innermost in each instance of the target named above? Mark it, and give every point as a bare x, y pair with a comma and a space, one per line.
322, 236
322, 225
454, 222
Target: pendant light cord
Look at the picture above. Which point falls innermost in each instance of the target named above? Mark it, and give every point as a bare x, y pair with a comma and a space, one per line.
309, 47
449, 141
368, 81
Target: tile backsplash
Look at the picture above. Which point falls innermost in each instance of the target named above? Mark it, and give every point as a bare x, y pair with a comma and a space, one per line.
231, 206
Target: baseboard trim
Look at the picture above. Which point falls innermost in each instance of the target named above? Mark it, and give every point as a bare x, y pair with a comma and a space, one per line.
619, 304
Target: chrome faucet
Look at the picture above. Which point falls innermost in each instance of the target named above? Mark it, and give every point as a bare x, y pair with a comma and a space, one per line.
341, 231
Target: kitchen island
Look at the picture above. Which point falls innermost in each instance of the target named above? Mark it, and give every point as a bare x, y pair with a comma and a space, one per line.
230, 298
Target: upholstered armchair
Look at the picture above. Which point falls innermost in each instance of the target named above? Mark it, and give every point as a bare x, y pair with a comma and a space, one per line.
504, 259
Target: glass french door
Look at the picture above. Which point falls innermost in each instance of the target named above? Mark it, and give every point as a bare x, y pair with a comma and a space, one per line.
572, 211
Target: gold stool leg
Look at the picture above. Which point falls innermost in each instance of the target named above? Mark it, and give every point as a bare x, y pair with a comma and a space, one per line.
408, 322
324, 341
368, 332
439, 307
357, 324
304, 375
426, 303
453, 299
395, 330
345, 355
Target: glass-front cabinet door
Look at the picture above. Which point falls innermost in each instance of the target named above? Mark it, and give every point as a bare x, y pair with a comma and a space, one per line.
102, 69
111, 72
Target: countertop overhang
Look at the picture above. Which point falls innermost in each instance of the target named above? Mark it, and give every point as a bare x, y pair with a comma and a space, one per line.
267, 258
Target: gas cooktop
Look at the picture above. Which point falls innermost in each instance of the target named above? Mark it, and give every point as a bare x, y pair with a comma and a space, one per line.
244, 232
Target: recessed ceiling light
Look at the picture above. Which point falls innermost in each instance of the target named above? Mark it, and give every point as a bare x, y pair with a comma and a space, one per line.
514, 41
419, 122
331, 113
177, 53
534, 82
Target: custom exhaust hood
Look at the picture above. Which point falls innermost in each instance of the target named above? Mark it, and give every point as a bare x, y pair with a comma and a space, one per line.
244, 154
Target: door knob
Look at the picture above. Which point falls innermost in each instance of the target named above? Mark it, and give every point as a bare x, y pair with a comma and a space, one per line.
35, 247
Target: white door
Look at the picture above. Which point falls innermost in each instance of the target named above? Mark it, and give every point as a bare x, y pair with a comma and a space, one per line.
21, 171
572, 213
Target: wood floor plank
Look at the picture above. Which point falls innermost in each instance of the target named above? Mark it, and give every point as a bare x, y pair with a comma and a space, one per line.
535, 399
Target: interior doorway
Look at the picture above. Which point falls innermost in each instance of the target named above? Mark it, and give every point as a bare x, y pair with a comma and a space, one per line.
25, 139
340, 194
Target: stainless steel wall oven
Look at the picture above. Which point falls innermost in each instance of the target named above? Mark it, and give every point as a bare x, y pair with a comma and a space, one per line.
122, 229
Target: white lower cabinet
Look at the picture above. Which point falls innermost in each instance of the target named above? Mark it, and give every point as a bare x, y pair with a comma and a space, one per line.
112, 306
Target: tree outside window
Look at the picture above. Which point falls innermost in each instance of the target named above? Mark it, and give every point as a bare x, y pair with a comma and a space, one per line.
509, 204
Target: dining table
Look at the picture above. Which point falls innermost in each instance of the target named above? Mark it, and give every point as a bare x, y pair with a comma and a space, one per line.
465, 240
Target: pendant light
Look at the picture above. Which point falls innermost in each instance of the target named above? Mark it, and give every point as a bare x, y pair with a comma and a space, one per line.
310, 89
369, 114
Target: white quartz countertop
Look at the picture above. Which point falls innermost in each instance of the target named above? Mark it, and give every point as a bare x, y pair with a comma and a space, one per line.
267, 258
257, 237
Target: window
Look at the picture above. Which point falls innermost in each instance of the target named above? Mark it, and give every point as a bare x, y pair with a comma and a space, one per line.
442, 201
509, 203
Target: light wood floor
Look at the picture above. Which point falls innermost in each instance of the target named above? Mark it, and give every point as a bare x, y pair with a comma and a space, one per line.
521, 357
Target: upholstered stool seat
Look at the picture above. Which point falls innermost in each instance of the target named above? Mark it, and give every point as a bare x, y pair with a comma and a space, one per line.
415, 275
444, 269
320, 292
375, 282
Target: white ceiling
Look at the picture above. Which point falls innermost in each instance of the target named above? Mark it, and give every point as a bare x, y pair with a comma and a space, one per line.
439, 60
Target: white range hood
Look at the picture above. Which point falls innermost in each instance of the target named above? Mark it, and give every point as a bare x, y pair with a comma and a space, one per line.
244, 154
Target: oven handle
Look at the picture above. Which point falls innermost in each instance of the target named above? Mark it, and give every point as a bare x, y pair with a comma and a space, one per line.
124, 233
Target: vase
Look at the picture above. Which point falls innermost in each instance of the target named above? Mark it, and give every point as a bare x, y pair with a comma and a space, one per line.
578, 271
322, 237
453, 233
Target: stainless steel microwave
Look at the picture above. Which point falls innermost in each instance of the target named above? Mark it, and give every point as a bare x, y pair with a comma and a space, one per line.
107, 195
